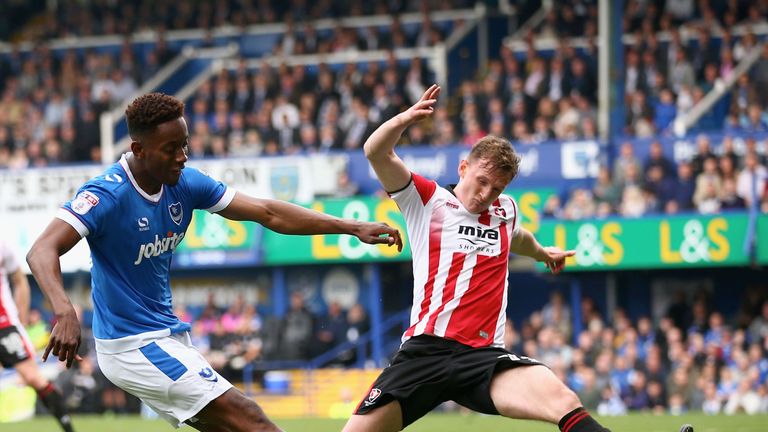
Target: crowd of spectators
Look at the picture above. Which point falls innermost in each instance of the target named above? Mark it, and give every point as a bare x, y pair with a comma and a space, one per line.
678, 52
50, 104
692, 359
75, 18
708, 183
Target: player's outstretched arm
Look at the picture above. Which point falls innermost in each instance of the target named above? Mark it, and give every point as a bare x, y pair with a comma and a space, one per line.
524, 243
379, 148
43, 258
287, 218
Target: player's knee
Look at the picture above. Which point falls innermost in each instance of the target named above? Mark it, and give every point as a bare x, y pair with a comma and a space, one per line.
567, 400
256, 419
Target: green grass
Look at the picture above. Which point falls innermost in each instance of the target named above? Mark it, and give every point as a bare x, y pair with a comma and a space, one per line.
433, 422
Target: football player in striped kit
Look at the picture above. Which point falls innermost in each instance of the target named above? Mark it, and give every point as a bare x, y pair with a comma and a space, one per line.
461, 237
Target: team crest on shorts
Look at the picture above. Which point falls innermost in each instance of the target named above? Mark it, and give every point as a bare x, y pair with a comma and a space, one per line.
208, 374
177, 213
372, 396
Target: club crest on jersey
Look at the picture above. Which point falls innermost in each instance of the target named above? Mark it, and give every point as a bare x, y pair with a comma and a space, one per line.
177, 213
84, 202
372, 396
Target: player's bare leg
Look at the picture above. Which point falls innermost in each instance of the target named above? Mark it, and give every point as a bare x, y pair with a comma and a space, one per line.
48, 394
535, 393
234, 412
388, 418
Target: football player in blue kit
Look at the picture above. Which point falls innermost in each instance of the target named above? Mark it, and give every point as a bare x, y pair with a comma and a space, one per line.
133, 216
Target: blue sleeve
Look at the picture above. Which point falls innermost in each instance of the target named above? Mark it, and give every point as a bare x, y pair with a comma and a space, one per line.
92, 206
205, 192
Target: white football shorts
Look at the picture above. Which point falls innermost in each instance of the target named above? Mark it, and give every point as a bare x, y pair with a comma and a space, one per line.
168, 374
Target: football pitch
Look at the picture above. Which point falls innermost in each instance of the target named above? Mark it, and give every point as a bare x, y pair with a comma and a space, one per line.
432, 422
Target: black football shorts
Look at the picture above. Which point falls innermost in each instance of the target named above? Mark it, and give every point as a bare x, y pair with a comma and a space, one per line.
12, 347
429, 370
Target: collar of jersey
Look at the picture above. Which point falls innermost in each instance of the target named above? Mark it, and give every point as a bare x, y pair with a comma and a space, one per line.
155, 197
450, 187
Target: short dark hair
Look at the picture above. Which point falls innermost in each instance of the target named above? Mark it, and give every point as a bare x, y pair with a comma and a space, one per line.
498, 153
146, 112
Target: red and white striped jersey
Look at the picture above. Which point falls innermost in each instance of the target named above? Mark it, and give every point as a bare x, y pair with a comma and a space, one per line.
8, 265
459, 264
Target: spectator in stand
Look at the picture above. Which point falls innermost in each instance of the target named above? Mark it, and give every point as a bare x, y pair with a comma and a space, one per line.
637, 397
656, 158
664, 110
605, 191
681, 73
754, 121
729, 197
330, 330
751, 146
582, 82
680, 198
620, 166
357, 326
638, 111
703, 152
552, 207
580, 205
751, 180
727, 151
297, 328
706, 196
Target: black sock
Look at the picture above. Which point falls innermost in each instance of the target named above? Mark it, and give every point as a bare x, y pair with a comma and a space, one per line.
54, 401
579, 420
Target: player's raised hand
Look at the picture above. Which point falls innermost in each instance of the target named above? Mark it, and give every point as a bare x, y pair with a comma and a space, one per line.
65, 339
379, 233
423, 108
555, 260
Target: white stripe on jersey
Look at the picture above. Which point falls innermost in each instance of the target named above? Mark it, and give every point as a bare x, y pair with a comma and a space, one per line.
9, 315
462, 285
459, 264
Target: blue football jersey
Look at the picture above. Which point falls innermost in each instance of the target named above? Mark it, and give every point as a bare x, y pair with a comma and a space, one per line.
132, 236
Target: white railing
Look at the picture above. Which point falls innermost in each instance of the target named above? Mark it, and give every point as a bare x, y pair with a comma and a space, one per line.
685, 120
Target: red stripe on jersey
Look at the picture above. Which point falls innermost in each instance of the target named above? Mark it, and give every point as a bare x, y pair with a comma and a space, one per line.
478, 310
485, 218
457, 262
435, 236
5, 320
426, 188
